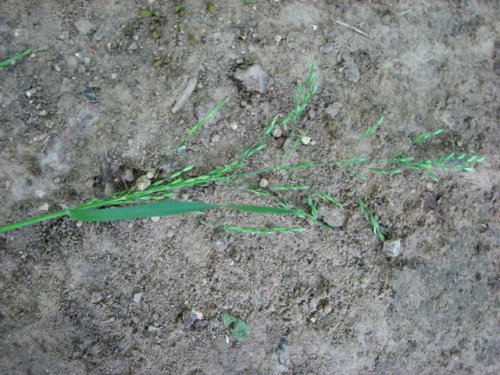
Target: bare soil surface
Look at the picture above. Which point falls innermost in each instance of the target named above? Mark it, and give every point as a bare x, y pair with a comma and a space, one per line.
94, 103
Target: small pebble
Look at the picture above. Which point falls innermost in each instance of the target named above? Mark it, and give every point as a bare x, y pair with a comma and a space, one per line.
190, 319
392, 249
128, 175
334, 217
142, 183
305, 140
155, 219
42, 113
263, 183
138, 297
277, 133
150, 174
254, 78
132, 47
84, 26
44, 207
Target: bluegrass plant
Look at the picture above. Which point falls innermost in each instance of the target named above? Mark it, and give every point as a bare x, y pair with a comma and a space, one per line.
155, 199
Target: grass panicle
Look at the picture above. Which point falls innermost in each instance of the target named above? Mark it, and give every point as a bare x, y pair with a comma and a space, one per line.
155, 199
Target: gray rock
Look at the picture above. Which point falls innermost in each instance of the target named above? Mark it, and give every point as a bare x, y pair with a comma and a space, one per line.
132, 47
351, 71
392, 249
334, 217
255, 78
84, 26
333, 109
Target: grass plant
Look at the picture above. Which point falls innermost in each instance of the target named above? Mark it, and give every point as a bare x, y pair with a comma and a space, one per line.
12, 60
155, 199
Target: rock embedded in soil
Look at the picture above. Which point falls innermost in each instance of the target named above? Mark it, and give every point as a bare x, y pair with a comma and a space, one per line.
254, 78
333, 217
392, 249
84, 26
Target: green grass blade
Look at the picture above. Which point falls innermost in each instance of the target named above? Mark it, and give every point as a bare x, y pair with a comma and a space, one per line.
166, 208
203, 121
8, 62
327, 197
288, 187
33, 220
368, 132
424, 136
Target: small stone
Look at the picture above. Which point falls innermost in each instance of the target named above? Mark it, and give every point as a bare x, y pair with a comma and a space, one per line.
351, 72
132, 47
392, 249
138, 297
333, 109
305, 140
263, 183
150, 174
84, 26
334, 217
44, 206
277, 133
42, 113
215, 138
233, 125
155, 219
190, 319
153, 329
114, 76
96, 297
91, 93
128, 175
220, 245
278, 38
255, 78
142, 183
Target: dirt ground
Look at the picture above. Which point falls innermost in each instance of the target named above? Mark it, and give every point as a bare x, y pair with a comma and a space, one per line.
95, 100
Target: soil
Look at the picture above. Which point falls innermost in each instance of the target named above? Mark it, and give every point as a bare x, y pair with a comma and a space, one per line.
93, 103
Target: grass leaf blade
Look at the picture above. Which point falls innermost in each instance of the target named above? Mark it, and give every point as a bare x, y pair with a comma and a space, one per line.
165, 208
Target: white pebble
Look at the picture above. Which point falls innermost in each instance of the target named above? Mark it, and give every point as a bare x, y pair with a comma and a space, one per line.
305, 140
138, 297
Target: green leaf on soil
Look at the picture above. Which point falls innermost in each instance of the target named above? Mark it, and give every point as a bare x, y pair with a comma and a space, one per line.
237, 327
